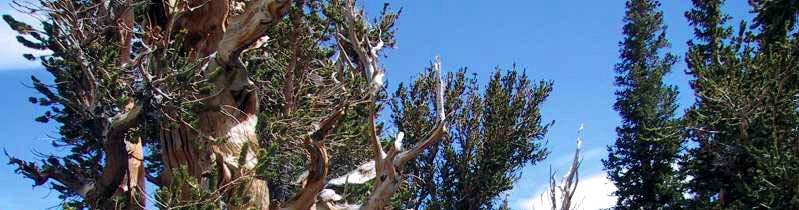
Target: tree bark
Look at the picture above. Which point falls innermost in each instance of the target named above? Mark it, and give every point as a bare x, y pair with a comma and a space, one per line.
223, 142
226, 140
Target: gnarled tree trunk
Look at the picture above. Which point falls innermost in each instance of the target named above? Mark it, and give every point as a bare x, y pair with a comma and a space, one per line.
225, 140
218, 149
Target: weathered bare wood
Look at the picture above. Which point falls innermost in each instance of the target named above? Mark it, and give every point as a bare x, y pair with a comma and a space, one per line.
233, 122
318, 169
568, 185
134, 188
224, 139
315, 181
389, 165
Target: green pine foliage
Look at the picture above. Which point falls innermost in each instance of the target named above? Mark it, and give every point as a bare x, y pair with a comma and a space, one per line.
295, 49
494, 132
300, 46
736, 147
649, 138
743, 125
73, 104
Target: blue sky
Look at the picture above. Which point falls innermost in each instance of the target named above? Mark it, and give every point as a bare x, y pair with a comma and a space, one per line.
574, 43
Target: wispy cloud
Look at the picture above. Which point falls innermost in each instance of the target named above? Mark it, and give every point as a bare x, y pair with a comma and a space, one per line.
593, 192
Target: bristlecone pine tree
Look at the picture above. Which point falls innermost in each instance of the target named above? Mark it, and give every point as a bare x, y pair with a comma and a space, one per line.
744, 121
227, 104
649, 139
492, 136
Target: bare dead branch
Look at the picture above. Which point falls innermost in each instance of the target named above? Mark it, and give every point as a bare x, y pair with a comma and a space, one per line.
564, 192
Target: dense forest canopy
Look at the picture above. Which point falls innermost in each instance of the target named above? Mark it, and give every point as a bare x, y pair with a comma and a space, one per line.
276, 104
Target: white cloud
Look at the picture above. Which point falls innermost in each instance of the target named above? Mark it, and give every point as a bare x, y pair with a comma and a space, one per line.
593, 192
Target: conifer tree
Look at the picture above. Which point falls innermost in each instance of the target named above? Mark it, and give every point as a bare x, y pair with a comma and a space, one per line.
744, 121
220, 104
775, 18
495, 131
649, 139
